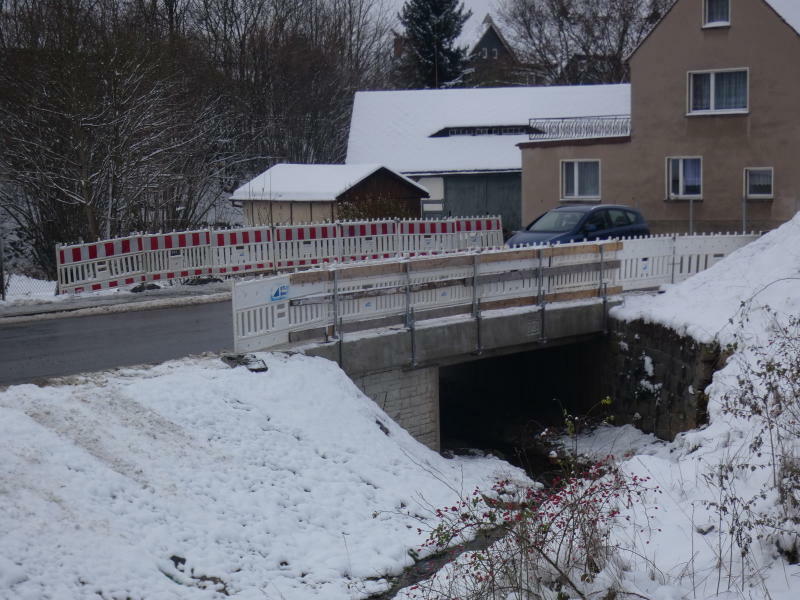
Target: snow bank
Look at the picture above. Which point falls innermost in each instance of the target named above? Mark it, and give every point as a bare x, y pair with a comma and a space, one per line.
766, 272
157, 482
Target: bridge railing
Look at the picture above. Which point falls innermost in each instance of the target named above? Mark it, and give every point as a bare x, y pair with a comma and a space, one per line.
649, 262
320, 304
223, 252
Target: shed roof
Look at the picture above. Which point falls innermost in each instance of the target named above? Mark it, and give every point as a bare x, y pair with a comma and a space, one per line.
395, 127
310, 183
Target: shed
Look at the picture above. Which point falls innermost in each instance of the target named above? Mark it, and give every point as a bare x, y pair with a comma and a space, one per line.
292, 193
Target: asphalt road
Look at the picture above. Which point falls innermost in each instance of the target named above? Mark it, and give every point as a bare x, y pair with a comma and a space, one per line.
37, 349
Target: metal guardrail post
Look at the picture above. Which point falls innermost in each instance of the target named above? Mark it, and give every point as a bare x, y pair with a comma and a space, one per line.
337, 323
674, 256
475, 299
408, 295
3, 270
413, 331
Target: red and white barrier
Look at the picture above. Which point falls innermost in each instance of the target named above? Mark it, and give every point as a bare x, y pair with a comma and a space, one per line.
419, 237
179, 255
479, 232
100, 265
305, 245
242, 250
367, 240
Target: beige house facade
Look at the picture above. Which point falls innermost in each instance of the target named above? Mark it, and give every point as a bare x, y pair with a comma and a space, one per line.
713, 140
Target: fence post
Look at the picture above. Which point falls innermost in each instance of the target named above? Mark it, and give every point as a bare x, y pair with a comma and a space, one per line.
3, 269
674, 254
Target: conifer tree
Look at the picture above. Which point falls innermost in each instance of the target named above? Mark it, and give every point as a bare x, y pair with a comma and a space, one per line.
431, 58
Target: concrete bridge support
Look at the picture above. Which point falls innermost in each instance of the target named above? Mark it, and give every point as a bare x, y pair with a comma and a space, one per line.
410, 397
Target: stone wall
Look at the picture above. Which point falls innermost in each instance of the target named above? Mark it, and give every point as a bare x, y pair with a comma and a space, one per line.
657, 378
410, 397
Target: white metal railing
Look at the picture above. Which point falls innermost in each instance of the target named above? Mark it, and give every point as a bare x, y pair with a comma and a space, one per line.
270, 311
649, 262
580, 128
224, 252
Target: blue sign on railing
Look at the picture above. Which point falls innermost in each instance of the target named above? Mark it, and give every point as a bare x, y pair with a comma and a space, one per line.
281, 293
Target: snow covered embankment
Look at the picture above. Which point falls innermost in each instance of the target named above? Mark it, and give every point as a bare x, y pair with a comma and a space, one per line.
189, 479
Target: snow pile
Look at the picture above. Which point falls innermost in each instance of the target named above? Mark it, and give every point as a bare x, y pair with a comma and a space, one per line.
190, 477
763, 273
693, 518
712, 523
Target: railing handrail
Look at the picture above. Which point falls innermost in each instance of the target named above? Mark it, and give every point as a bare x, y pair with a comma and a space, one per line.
327, 297
563, 128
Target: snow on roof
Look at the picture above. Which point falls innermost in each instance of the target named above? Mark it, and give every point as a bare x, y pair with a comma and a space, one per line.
395, 127
789, 10
308, 183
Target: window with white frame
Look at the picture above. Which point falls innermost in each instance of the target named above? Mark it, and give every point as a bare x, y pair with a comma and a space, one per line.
716, 13
580, 179
684, 177
718, 91
758, 182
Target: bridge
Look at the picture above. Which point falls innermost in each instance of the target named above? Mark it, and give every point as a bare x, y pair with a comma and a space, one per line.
393, 324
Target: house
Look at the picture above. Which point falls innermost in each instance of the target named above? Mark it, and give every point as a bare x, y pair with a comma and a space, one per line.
494, 62
712, 137
461, 144
292, 194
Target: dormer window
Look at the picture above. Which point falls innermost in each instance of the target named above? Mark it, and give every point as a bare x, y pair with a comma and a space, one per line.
716, 13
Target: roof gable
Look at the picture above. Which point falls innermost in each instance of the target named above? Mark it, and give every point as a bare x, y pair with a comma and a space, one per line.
787, 10
398, 128
311, 183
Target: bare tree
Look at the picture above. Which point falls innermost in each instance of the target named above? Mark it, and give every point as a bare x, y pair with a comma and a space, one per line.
579, 41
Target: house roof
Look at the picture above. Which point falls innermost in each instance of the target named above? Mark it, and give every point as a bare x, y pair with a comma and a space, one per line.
310, 183
396, 127
487, 25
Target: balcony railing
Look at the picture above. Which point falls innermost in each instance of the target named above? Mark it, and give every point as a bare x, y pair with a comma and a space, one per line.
580, 128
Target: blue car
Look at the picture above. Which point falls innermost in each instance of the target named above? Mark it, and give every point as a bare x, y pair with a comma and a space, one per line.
578, 223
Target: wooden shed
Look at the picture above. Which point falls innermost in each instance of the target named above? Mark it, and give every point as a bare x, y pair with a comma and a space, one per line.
291, 194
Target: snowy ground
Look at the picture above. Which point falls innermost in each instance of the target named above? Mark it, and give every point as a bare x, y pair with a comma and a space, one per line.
676, 543
272, 485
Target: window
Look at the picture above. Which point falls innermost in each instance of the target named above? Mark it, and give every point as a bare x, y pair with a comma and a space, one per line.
718, 91
684, 177
758, 182
621, 218
494, 53
580, 179
716, 13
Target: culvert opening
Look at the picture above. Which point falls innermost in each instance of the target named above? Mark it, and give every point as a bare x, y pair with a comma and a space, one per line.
501, 405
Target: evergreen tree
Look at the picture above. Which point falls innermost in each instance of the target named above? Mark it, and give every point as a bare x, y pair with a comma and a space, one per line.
431, 58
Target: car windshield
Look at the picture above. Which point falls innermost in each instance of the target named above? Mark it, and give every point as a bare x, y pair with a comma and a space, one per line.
557, 221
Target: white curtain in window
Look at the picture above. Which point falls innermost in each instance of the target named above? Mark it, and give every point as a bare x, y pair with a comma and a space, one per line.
730, 90
691, 176
759, 182
717, 11
589, 178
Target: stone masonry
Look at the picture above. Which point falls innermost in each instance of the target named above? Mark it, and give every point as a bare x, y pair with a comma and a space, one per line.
657, 378
410, 397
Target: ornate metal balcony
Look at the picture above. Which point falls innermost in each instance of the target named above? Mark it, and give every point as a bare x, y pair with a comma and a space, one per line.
580, 128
